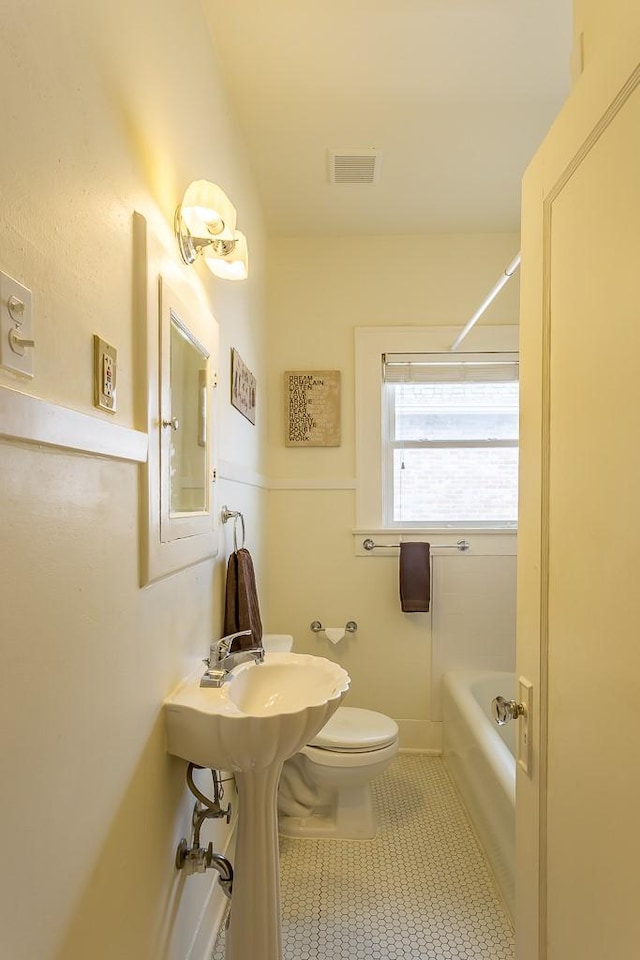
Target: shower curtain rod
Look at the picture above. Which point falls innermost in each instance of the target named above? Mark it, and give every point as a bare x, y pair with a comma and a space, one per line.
509, 272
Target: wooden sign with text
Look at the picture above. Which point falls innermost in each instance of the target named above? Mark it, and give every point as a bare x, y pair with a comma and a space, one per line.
312, 408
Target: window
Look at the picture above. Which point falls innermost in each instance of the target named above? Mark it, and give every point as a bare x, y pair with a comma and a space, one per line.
450, 439
378, 436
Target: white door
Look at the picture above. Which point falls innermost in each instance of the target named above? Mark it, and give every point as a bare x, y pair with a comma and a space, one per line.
578, 833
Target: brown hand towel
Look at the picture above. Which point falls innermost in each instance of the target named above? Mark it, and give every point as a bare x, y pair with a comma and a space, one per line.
415, 577
241, 607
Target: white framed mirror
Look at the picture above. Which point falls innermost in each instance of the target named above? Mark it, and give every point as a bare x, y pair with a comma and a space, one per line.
185, 443
179, 524
189, 492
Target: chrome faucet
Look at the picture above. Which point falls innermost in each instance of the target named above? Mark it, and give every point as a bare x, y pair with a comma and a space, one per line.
223, 658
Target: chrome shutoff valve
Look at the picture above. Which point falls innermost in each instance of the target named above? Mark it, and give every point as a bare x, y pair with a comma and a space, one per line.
191, 860
199, 860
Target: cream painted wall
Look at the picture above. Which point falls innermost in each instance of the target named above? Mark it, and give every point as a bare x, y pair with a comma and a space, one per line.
319, 291
107, 109
600, 24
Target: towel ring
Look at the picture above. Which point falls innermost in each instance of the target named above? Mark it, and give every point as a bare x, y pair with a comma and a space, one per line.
235, 515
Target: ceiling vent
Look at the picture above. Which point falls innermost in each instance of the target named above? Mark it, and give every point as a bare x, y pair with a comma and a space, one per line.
354, 166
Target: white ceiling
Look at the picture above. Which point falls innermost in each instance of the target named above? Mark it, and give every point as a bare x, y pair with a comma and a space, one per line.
456, 94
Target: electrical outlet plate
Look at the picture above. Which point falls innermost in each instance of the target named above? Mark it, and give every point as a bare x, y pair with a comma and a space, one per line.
16, 323
105, 359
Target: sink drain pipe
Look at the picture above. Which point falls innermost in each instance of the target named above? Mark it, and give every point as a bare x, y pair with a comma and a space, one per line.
197, 859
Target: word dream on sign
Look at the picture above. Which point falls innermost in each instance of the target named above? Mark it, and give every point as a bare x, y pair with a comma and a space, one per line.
312, 408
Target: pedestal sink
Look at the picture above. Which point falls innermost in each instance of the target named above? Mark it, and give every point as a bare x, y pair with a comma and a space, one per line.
262, 715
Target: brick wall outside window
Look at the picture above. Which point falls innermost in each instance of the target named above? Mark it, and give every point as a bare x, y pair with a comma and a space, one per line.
455, 484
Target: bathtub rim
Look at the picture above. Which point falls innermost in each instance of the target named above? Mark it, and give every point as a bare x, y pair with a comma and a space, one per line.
459, 686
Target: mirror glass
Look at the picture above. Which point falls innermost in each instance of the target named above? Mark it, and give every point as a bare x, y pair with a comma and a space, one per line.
188, 451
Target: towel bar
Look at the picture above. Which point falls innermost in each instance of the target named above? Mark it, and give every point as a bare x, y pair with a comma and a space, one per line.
461, 545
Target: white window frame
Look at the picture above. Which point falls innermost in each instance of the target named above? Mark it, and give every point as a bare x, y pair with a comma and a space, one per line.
370, 344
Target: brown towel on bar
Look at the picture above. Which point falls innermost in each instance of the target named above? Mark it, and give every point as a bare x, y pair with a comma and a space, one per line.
241, 607
415, 577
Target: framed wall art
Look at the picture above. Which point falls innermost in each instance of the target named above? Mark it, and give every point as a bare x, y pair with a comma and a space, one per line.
243, 387
312, 408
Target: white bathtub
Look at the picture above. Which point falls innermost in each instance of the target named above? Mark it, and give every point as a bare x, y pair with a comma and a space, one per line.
480, 758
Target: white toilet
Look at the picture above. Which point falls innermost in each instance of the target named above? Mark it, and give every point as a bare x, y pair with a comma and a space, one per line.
325, 788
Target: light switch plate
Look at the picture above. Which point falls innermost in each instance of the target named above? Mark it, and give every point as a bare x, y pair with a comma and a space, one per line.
105, 374
16, 324
525, 724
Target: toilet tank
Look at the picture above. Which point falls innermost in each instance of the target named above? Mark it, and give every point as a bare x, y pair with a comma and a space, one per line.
277, 642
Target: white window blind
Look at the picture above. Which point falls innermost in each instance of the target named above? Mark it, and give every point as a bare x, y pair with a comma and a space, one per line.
446, 367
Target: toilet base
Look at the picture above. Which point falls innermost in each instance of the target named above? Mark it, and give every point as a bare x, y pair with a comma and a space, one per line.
327, 796
351, 818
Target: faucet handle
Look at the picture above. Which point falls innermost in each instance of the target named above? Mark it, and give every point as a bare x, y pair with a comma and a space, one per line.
223, 646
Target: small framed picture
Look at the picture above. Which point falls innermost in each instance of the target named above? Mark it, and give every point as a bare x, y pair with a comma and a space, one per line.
243, 387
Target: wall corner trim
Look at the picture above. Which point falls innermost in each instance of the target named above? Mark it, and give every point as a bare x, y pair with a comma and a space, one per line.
32, 420
315, 483
240, 473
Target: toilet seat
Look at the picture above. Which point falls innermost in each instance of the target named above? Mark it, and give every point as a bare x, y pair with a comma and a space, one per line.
350, 759
354, 730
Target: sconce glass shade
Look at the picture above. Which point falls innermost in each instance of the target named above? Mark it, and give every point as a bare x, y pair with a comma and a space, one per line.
205, 214
229, 259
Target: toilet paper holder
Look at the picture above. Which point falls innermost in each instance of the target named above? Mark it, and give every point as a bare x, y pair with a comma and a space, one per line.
350, 626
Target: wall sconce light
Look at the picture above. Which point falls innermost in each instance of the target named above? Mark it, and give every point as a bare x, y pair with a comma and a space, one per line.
205, 226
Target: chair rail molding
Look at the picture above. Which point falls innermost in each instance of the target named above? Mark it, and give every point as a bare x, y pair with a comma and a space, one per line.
33, 420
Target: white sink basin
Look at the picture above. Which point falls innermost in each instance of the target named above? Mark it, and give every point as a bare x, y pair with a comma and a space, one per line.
262, 714
288, 685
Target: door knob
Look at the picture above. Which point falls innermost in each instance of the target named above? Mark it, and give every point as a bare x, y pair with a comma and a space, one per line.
504, 710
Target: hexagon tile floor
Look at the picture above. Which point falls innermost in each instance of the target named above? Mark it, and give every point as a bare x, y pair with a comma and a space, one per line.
421, 890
